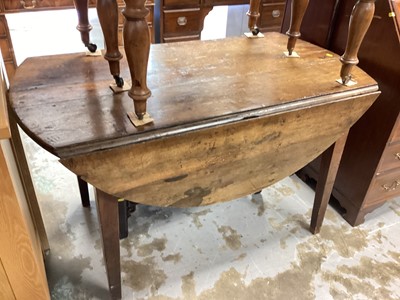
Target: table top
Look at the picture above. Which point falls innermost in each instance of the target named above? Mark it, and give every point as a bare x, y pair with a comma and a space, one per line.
65, 104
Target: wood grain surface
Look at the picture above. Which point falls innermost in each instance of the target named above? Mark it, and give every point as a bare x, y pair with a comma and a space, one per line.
194, 85
221, 163
20, 255
5, 286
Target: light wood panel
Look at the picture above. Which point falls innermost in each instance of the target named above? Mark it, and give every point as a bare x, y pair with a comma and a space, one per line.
20, 253
5, 287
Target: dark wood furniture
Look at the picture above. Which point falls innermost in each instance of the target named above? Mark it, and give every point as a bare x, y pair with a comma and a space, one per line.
210, 119
369, 174
184, 20
16, 6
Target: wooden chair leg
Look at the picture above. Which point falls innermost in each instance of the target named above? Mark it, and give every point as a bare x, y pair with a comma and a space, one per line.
254, 14
107, 11
107, 209
84, 27
327, 174
299, 8
360, 20
84, 191
137, 49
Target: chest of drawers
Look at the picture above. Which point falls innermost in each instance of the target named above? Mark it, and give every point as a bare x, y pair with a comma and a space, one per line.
369, 173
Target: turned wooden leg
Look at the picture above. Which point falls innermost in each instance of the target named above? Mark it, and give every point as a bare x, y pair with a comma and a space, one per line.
360, 20
107, 209
107, 11
299, 8
327, 174
137, 48
254, 14
82, 7
84, 191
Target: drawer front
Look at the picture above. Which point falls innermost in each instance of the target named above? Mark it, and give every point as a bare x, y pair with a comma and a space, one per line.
182, 21
390, 159
21, 5
181, 3
384, 187
272, 15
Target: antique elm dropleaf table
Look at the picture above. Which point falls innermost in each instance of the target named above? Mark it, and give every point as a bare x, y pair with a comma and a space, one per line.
231, 117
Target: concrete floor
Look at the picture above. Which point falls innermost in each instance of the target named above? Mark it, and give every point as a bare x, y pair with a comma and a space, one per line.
257, 247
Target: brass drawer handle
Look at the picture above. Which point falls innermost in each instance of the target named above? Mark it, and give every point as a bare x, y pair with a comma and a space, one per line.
182, 21
388, 188
276, 13
397, 155
33, 5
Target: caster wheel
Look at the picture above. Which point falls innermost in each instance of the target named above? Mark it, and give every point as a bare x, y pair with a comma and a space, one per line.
119, 81
92, 47
255, 31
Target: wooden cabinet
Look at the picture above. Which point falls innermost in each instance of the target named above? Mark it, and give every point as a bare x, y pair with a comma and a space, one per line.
369, 173
184, 20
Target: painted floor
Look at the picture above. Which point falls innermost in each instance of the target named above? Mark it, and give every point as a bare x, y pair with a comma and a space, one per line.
257, 247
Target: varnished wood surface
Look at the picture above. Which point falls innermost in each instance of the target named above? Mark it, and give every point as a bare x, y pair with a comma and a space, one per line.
194, 84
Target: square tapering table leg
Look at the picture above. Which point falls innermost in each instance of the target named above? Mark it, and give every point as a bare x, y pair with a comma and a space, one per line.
107, 209
328, 170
